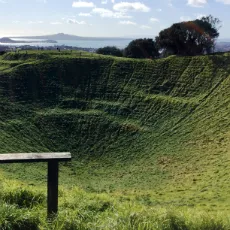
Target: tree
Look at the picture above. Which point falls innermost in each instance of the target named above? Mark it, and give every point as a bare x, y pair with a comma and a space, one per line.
141, 48
110, 50
190, 38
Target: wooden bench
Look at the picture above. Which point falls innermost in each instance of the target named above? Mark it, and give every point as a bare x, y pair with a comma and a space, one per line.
52, 181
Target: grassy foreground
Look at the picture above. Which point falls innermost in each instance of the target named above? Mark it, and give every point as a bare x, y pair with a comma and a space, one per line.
24, 208
149, 139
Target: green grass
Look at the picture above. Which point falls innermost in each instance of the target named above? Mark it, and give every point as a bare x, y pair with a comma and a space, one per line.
149, 139
79, 209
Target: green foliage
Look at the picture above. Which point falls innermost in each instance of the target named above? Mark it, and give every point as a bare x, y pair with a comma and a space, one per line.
2, 52
110, 50
141, 48
189, 38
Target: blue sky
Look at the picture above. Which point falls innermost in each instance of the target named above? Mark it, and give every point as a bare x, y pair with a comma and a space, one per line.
105, 17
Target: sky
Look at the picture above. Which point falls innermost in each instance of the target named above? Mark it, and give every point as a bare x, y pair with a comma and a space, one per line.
105, 18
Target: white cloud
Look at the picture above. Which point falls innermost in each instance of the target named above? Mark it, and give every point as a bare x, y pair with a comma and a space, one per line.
197, 3
15, 22
35, 22
128, 23
131, 6
170, 3
144, 27
104, 2
81, 4
153, 20
44, 1
106, 13
85, 15
159, 10
199, 16
56, 23
185, 18
2, 1
73, 21
226, 2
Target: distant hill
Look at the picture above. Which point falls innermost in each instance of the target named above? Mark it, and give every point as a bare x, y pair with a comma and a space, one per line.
62, 36
6, 40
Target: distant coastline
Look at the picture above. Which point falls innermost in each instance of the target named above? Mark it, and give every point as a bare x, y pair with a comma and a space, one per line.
73, 42
9, 40
66, 41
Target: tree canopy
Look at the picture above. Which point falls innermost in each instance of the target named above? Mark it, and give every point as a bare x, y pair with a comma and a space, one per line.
141, 48
191, 37
110, 50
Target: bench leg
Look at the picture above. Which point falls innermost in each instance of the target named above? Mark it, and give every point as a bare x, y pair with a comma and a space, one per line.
52, 200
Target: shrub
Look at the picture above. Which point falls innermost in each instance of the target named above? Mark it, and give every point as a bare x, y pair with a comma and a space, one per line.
141, 48
110, 50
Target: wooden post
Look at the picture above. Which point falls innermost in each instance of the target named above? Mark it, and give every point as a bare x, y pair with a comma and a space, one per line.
52, 200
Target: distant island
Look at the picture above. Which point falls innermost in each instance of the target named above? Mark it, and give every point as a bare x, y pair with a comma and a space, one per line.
9, 40
62, 36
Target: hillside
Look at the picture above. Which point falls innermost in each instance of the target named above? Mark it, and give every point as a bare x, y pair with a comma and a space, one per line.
157, 129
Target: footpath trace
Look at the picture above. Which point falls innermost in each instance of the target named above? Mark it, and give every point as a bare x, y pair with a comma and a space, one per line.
52, 180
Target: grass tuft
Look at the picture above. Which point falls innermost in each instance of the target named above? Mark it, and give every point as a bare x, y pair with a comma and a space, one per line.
23, 198
12, 218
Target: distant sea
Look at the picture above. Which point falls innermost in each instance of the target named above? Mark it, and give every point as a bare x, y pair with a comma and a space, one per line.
94, 43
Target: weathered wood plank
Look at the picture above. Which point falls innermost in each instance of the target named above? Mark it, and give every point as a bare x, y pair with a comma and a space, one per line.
34, 157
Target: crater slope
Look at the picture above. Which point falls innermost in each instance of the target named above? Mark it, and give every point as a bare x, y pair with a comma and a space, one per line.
159, 127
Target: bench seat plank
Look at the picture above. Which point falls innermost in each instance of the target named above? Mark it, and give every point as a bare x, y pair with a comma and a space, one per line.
34, 157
